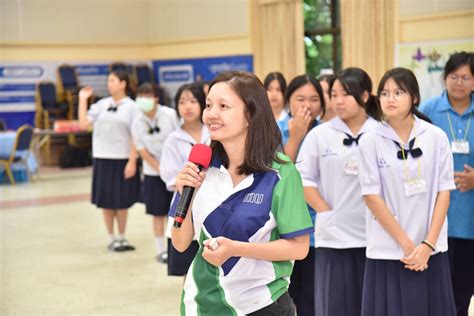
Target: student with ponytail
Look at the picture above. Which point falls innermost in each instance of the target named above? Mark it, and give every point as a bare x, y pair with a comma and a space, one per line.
406, 174
328, 165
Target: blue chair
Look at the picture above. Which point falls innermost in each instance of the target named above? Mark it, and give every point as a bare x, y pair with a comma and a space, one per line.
68, 78
48, 108
3, 125
143, 74
24, 136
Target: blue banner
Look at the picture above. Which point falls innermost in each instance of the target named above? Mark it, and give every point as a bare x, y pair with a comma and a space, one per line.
171, 74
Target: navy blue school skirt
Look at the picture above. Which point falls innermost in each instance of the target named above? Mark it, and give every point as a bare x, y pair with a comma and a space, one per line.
156, 197
109, 187
339, 277
392, 290
301, 287
179, 262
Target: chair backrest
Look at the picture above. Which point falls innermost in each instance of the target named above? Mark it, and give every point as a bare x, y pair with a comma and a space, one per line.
24, 136
47, 94
143, 74
3, 125
68, 77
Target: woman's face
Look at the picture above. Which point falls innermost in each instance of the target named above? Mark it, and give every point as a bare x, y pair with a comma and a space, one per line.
225, 115
305, 96
395, 102
115, 86
275, 94
345, 105
460, 83
188, 107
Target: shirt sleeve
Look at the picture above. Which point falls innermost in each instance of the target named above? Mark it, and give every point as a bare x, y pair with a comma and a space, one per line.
170, 162
95, 110
307, 162
137, 134
369, 176
446, 166
289, 206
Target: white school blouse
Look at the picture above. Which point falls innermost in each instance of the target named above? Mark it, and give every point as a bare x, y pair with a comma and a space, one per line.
111, 137
321, 162
167, 121
382, 173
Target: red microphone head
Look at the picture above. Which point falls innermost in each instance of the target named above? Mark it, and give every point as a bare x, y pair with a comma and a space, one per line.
201, 155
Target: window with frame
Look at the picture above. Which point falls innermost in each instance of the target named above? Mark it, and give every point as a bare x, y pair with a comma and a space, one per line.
322, 36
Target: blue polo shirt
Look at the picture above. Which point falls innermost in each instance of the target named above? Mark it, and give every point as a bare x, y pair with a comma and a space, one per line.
461, 208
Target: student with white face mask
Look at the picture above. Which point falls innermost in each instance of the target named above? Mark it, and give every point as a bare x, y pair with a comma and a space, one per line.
328, 165
406, 174
149, 134
115, 183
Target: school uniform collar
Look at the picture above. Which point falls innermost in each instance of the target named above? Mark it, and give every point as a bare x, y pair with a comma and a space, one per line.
386, 131
446, 106
338, 124
184, 136
121, 101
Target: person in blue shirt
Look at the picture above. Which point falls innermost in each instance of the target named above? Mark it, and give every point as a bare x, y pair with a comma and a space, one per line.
453, 111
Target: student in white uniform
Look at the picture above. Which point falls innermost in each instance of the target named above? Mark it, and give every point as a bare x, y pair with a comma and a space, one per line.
116, 182
406, 174
275, 84
191, 101
149, 133
328, 165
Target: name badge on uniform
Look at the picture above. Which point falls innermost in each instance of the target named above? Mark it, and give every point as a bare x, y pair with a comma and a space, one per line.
460, 146
350, 167
415, 186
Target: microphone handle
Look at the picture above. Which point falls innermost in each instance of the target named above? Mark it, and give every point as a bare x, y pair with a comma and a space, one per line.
183, 204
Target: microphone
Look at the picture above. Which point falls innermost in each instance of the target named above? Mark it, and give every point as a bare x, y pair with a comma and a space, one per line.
201, 156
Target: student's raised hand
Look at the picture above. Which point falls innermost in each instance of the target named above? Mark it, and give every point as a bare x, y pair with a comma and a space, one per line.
130, 170
418, 258
189, 176
217, 251
86, 92
465, 180
299, 124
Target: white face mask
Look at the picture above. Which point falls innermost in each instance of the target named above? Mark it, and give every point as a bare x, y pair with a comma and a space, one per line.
145, 104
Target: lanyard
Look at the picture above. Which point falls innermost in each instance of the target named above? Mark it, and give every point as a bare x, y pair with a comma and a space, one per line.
405, 164
452, 130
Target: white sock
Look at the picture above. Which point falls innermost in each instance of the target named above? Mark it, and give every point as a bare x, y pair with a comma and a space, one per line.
120, 237
160, 244
112, 237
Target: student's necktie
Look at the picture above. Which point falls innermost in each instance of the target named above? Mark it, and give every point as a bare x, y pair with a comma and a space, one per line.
348, 141
414, 152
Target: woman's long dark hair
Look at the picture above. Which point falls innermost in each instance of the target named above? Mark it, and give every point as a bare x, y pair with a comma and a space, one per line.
263, 136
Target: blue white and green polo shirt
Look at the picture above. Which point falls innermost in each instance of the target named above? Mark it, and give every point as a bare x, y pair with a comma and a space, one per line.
265, 206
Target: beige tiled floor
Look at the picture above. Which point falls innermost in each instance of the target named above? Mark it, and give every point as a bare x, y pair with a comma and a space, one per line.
53, 258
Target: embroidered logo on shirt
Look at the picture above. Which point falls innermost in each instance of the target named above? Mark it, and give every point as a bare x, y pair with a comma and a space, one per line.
255, 198
382, 163
328, 152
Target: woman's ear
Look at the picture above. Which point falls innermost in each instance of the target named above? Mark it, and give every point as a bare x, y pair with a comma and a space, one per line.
365, 96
